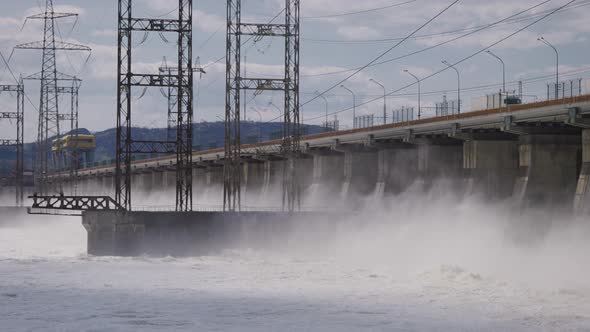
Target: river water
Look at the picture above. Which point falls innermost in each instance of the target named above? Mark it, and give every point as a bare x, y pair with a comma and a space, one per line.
416, 270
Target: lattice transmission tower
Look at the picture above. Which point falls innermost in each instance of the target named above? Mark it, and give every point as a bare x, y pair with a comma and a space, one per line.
49, 115
62, 160
172, 96
18, 141
72, 157
181, 80
290, 148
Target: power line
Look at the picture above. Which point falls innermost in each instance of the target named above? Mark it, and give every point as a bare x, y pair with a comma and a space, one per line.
476, 87
533, 79
382, 54
363, 11
245, 42
211, 36
161, 15
433, 46
438, 34
458, 62
359, 11
17, 81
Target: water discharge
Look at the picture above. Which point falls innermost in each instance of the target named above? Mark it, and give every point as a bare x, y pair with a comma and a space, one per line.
433, 261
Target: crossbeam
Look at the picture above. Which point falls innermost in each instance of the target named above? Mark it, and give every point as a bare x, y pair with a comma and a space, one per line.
153, 147
260, 30
10, 88
9, 115
156, 25
263, 84
8, 142
157, 80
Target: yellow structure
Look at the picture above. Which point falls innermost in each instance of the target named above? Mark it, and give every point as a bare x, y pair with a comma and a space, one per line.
70, 142
62, 149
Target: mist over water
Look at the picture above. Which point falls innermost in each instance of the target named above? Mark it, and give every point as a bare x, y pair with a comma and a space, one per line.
432, 260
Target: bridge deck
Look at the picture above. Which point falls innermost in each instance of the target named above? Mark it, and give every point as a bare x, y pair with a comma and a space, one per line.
552, 110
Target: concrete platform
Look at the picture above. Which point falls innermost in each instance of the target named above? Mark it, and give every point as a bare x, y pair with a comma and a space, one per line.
195, 233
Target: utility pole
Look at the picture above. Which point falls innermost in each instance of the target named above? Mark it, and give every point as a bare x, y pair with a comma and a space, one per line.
49, 116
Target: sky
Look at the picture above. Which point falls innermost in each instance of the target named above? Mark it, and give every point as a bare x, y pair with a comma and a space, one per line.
336, 36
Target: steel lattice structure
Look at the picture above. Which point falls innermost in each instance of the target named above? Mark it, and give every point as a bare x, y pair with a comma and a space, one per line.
49, 117
76, 203
235, 83
18, 142
74, 156
72, 117
172, 96
181, 80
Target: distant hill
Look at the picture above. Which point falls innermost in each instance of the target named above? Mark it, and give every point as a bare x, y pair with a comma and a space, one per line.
206, 135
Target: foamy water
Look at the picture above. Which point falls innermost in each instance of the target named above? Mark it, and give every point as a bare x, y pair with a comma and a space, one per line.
410, 268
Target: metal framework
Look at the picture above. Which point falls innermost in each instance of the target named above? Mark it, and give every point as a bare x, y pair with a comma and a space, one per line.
181, 80
18, 143
172, 96
49, 117
74, 155
75, 203
72, 117
235, 83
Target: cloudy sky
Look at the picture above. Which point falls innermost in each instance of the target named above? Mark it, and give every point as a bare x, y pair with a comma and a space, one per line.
337, 36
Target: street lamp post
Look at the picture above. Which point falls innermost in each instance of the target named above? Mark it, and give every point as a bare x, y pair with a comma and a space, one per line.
384, 100
353, 105
503, 71
259, 124
544, 41
326, 103
458, 85
419, 93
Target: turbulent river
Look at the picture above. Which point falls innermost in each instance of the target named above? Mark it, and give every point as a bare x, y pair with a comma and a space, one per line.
420, 269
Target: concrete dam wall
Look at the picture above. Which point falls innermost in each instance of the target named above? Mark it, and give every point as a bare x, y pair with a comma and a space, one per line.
545, 169
541, 167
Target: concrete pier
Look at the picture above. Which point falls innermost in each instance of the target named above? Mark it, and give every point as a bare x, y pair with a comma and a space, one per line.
253, 177
328, 173
549, 167
582, 198
396, 168
439, 158
272, 177
360, 172
491, 164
